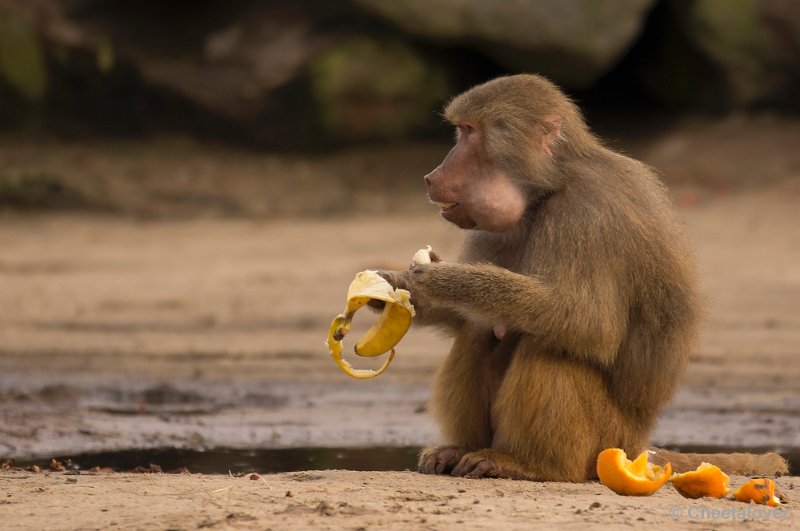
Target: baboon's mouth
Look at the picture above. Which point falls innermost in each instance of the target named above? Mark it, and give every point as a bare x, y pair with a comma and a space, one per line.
445, 206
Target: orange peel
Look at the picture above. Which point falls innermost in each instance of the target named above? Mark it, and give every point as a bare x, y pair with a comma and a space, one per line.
760, 490
630, 478
706, 481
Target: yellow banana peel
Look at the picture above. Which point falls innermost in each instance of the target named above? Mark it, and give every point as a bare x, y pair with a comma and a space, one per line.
382, 337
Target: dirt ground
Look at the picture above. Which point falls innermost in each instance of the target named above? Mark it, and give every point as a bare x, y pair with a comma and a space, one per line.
122, 332
341, 499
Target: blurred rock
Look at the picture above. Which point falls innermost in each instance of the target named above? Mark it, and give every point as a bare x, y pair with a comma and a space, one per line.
367, 88
224, 58
310, 73
281, 73
572, 41
751, 49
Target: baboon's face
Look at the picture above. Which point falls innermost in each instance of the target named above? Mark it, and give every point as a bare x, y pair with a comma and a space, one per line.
471, 190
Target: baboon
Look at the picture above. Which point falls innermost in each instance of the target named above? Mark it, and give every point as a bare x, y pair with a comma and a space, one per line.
574, 303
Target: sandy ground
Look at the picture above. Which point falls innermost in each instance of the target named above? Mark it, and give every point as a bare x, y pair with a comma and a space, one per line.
339, 499
118, 333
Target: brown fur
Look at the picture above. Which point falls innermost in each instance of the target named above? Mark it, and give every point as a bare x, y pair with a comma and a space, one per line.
734, 463
573, 317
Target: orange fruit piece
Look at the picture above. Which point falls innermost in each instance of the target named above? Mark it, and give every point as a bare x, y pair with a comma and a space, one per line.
630, 478
761, 491
707, 481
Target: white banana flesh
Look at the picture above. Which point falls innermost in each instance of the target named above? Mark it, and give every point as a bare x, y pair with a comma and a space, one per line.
423, 256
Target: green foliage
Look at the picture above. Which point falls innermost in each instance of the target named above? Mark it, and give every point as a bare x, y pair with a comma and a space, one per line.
21, 57
366, 88
105, 56
732, 34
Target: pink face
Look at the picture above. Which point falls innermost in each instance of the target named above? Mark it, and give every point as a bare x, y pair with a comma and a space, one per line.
471, 190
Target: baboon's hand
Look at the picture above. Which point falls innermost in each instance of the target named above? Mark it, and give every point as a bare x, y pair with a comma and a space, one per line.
406, 280
397, 279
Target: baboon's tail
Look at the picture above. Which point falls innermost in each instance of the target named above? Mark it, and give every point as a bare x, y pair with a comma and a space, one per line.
769, 464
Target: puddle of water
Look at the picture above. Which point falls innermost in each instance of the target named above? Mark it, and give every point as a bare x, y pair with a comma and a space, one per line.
224, 461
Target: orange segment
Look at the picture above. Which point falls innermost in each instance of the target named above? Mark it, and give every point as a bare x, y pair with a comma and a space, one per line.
707, 481
761, 490
630, 478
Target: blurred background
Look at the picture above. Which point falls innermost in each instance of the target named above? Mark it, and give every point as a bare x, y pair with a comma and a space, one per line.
187, 188
309, 80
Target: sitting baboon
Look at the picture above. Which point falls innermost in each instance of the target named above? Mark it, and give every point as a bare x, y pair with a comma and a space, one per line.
574, 305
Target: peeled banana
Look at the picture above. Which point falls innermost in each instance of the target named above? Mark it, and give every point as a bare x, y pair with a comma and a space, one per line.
423, 256
390, 328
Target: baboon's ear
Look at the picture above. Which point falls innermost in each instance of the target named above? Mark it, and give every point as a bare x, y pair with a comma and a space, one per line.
552, 132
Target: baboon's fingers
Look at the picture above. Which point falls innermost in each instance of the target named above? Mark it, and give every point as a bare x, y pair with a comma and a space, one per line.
475, 465
440, 459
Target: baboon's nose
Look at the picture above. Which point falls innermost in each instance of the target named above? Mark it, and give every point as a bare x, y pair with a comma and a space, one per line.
431, 176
